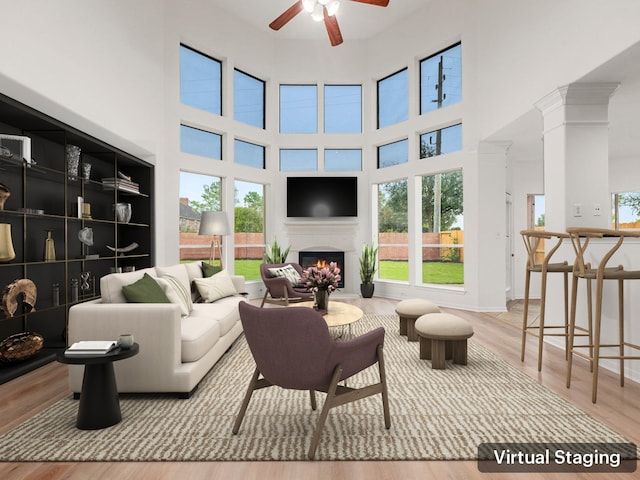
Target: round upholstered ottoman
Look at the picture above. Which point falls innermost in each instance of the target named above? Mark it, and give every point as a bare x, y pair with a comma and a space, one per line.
409, 310
443, 337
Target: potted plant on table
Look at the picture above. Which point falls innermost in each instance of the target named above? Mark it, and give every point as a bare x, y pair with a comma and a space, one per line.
367, 269
322, 281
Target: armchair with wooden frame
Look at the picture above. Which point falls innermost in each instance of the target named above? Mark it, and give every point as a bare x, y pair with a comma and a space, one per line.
293, 349
280, 290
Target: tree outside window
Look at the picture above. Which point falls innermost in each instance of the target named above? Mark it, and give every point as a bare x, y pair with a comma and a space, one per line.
443, 228
393, 231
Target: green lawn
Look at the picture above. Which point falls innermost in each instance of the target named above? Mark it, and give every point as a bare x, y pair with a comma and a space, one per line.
443, 273
249, 268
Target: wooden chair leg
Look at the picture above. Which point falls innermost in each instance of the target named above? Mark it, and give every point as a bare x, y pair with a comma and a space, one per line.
314, 404
264, 298
245, 402
572, 328
385, 393
525, 313
543, 301
328, 404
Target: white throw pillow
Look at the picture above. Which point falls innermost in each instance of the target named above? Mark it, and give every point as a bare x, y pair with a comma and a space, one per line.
287, 272
176, 293
215, 287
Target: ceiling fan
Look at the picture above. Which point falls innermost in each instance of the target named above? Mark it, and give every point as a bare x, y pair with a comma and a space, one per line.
321, 10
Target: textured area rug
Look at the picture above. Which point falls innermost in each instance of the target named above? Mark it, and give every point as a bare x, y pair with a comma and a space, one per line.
435, 415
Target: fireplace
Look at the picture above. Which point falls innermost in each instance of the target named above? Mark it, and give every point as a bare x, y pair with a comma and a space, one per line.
308, 259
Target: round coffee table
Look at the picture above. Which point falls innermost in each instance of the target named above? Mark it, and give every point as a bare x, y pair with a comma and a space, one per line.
99, 404
339, 314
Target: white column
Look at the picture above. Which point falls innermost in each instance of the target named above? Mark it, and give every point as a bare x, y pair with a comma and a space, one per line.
576, 155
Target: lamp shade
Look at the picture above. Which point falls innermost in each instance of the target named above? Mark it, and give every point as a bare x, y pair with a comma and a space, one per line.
214, 223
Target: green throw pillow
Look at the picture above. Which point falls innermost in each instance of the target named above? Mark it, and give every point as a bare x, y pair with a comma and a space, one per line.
145, 290
209, 270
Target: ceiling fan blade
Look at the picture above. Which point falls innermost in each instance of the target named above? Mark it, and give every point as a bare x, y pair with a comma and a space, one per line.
377, 3
286, 16
335, 36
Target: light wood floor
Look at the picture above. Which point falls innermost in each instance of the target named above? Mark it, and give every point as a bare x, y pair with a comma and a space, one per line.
617, 407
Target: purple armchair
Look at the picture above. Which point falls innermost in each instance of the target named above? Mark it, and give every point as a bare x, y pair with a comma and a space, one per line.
292, 349
280, 290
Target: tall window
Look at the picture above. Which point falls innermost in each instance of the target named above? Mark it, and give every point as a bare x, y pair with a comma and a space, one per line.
343, 160
442, 229
626, 210
249, 229
441, 79
198, 193
393, 231
393, 153
393, 99
200, 142
249, 154
200, 80
298, 160
343, 109
248, 99
298, 109
440, 142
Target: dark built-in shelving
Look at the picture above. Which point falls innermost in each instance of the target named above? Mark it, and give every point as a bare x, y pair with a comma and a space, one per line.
44, 197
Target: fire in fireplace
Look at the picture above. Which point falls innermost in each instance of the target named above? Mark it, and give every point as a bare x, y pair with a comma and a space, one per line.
308, 259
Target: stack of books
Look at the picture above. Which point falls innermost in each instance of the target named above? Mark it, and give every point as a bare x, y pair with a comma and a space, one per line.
91, 347
120, 184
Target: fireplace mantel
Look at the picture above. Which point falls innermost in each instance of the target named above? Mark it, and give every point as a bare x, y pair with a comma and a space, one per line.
322, 235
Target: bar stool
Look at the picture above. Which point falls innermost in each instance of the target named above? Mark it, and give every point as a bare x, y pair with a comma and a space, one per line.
532, 241
580, 237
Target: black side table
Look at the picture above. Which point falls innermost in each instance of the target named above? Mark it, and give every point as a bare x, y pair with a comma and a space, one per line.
99, 404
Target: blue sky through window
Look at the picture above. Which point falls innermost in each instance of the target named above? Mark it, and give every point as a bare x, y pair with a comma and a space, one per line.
200, 81
298, 109
393, 99
248, 99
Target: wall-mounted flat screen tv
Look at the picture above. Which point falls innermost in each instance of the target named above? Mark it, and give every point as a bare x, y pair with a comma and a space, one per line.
322, 196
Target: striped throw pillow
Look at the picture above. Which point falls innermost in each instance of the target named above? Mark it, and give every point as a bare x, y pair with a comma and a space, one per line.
176, 293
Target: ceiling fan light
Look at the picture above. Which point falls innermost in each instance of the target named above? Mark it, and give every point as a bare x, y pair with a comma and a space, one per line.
333, 7
323, 2
318, 13
308, 5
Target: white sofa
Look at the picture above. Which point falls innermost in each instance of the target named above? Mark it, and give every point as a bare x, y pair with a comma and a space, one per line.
175, 351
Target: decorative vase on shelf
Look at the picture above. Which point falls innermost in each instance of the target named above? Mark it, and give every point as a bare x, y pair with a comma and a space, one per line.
7, 253
123, 212
322, 299
73, 161
49, 248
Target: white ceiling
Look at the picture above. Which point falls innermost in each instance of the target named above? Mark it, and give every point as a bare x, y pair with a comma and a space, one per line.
356, 20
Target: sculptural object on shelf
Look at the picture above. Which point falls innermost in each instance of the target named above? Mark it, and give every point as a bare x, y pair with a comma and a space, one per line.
85, 235
7, 253
49, 248
24, 287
